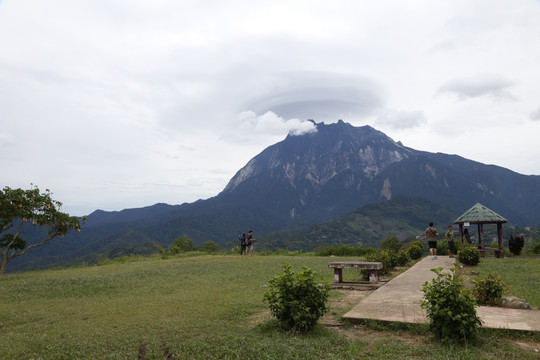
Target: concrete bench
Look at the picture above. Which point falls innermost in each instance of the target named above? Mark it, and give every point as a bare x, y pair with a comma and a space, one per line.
373, 268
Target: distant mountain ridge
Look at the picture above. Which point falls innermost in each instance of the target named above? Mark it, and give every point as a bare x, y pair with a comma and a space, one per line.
301, 181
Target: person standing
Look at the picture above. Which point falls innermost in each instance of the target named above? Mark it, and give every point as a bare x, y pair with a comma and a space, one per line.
250, 240
242, 239
431, 233
466, 236
449, 236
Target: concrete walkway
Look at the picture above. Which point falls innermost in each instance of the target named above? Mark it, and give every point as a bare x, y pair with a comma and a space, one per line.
399, 300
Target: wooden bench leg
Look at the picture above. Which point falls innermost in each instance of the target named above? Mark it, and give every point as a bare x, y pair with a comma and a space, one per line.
338, 275
374, 276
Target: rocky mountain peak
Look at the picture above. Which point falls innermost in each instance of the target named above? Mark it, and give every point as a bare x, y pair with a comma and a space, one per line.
320, 156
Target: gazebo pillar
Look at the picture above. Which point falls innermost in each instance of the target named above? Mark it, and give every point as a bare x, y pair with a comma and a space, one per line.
500, 236
461, 232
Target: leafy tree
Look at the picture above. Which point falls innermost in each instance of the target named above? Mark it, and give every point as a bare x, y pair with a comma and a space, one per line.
19, 207
209, 247
182, 244
391, 243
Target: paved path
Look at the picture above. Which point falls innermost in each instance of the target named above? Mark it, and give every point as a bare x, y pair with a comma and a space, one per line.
399, 300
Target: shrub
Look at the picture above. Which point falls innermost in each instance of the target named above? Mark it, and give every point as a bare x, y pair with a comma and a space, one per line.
536, 247
515, 244
415, 251
489, 291
417, 243
387, 257
450, 308
391, 243
469, 255
442, 247
297, 300
402, 257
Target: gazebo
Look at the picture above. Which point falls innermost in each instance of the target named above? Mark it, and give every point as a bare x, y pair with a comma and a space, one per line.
480, 215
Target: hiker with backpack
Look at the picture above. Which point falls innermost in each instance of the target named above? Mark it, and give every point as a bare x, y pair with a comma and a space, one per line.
243, 244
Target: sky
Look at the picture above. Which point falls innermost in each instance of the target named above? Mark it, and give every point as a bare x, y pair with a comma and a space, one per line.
115, 104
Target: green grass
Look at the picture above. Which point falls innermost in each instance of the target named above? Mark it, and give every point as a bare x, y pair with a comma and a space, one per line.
203, 307
520, 274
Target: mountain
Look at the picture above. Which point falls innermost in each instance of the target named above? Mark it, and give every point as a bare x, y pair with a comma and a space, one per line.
401, 216
300, 181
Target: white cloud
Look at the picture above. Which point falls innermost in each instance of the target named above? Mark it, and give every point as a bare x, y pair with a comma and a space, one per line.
535, 115
490, 85
399, 119
115, 104
252, 125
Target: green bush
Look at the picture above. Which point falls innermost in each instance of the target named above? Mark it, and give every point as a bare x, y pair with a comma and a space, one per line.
450, 308
535, 249
469, 255
515, 244
489, 291
417, 243
442, 247
297, 300
402, 257
387, 257
415, 251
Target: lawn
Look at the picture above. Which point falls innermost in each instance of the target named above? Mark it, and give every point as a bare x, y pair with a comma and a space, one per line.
520, 274
204, 307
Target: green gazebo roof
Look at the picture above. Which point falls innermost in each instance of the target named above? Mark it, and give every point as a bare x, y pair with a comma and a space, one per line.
479, 214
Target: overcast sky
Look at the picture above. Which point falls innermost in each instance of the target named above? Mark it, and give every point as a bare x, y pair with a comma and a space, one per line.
115, 104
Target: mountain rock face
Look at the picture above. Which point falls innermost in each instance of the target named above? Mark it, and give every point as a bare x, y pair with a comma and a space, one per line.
319, 176
300, 181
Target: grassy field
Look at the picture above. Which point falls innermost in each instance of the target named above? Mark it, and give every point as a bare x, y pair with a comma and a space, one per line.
520, 274
204, 307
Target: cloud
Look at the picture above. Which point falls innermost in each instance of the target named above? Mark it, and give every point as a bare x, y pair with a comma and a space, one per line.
319, 95
489, 85
399, 119
271, 124
535, 115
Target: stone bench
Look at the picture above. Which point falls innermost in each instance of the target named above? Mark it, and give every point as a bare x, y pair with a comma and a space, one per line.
373, 268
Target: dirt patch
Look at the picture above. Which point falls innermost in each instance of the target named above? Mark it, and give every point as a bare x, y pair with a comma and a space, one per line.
347, 301
533, 346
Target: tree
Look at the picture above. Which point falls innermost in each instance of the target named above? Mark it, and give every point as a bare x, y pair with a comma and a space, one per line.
391, 243
209, 247
182, 244
19, 207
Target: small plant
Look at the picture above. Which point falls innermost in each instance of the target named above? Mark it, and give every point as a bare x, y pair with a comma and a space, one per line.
469, 255
515, 244
415, 251
489, 291
450, 308
402, 257
297, 300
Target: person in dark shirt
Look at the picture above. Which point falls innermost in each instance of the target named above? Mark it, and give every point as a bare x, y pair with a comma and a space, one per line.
431, 233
